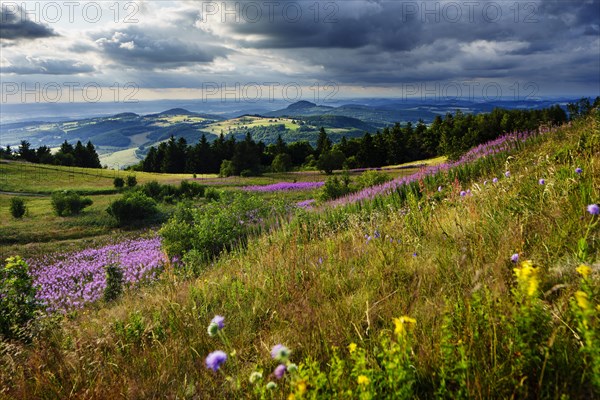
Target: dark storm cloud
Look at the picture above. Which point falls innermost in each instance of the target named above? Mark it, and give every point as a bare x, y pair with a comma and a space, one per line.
15, 26
390, 42
33, 66
150, 50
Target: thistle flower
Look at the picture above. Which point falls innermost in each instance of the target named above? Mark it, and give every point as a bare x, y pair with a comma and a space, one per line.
292, 368
593, 209
215, 359
280, 353
515, 258
216, 324
280, 371
542, 181
271, 385
578, 171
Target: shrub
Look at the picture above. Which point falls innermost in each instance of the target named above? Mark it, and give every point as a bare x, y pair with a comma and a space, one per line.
134, 206
215, 227
152, 189
246, 173
372, 178
281, 163
131, 181
114, 282
212, 194
69, 203
17, 207
118, 182
18, 304
226, 169
190, 190
335, 187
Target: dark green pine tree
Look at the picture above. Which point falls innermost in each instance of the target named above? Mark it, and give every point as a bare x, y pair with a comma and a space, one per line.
92, 156
323, 143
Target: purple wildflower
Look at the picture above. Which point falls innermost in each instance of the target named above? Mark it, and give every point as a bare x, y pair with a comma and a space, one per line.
280, 352
578, 170
593, 209
439, 188
514, 258
282, 186
415, 254
484, 183
215, 359
495, 180
542, 181
219, 321
507, 174
280, 371
463, 193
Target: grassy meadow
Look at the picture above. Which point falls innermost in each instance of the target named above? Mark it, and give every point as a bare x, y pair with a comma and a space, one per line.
479, 282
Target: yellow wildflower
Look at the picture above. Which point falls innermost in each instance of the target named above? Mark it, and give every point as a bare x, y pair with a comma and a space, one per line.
402, 323
292, 396
363, 380
527, 277
582, 300
301, 385
584, 270
352, 347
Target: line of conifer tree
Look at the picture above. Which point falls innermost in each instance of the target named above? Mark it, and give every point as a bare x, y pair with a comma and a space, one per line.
450, 135
67, 155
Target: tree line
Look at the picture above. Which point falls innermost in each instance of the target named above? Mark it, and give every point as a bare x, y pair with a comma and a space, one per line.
450, 135
67, 155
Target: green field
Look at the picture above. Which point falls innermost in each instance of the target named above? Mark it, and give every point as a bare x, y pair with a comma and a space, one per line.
235, 124
37, 178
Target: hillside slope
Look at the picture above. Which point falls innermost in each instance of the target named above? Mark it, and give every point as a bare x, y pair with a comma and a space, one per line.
341, 287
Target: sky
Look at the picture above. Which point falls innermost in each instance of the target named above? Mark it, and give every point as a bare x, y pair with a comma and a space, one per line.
66, 51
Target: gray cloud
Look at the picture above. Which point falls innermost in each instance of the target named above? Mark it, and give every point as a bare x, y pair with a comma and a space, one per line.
47, 66
150, 50
15, 26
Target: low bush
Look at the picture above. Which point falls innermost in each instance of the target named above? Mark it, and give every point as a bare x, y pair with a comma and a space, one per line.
18, 304
17, 207
335, 187
118, 183
69, 203
371, 178
134, 206
131, 181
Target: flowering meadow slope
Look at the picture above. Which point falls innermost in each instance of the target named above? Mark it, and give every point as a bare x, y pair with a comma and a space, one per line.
487, 295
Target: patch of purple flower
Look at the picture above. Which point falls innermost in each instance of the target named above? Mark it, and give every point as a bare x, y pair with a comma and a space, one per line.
215, 359
281, 186
593, 209
578, 171
305, 204
514, 258
542, 181
71, 280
